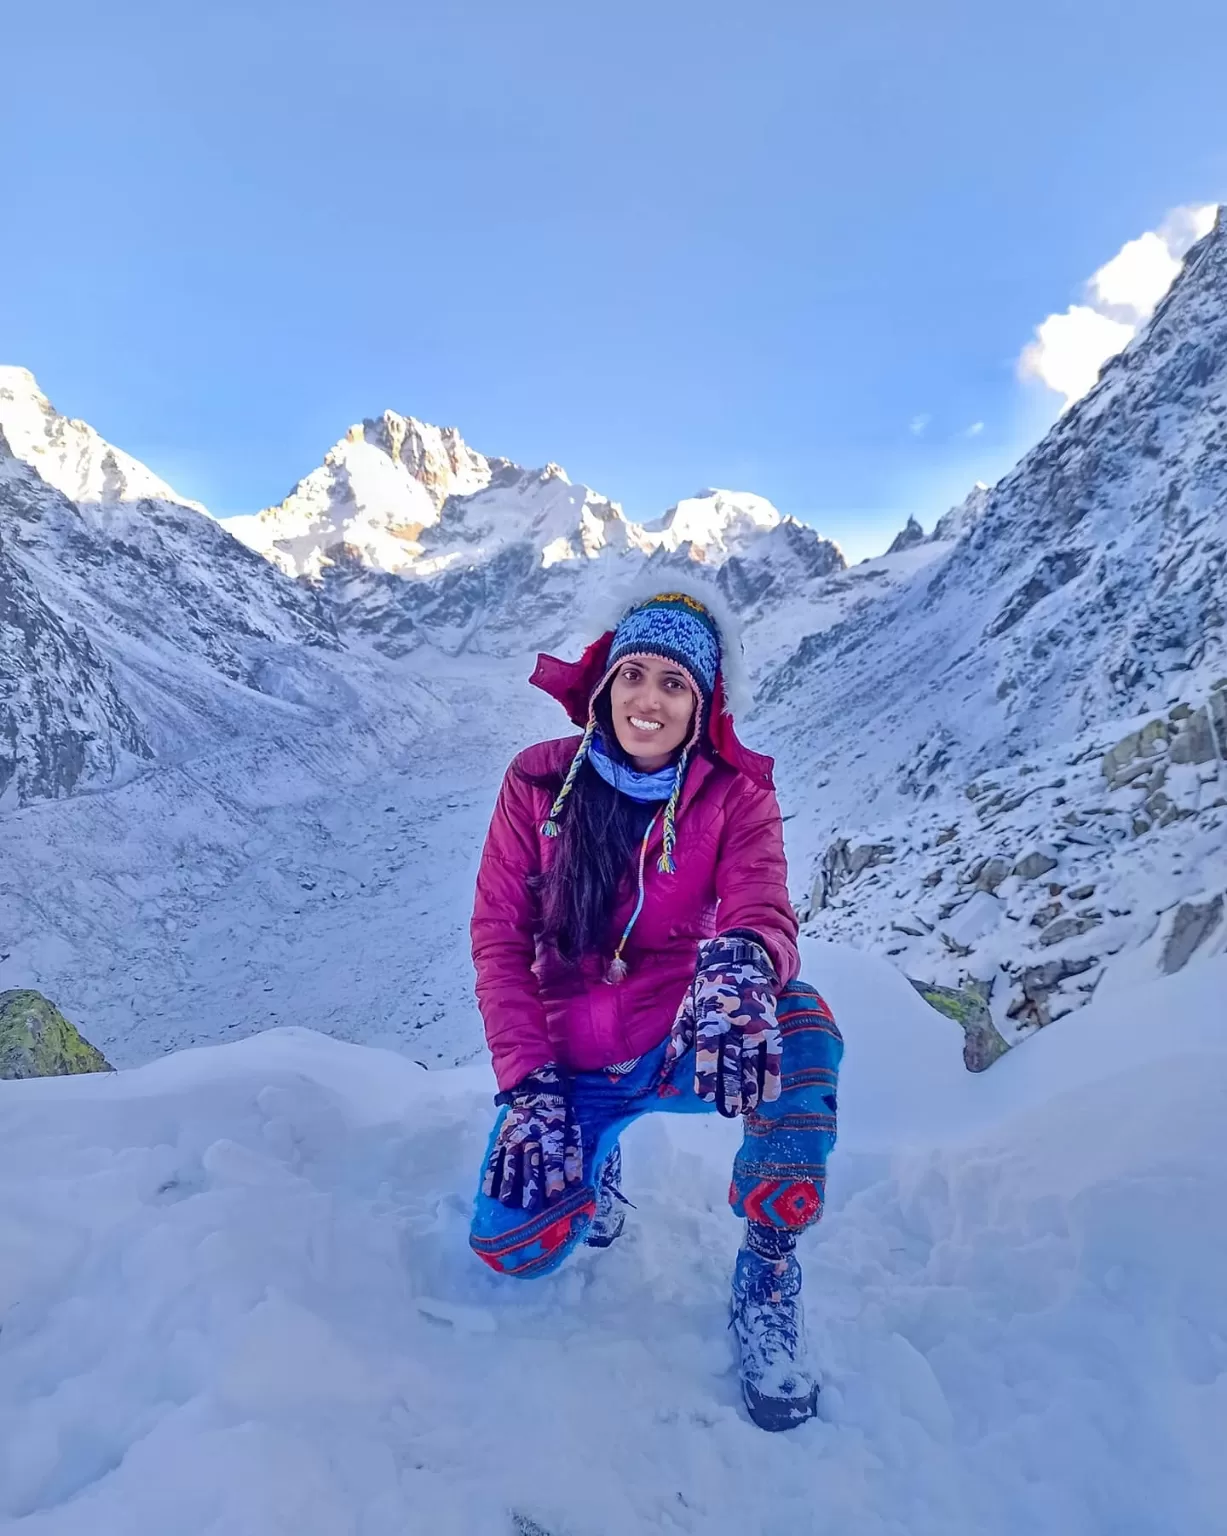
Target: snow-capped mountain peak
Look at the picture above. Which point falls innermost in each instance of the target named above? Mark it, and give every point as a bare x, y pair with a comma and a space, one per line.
714, 522
377, 489
400, 496
69, 454
437, 458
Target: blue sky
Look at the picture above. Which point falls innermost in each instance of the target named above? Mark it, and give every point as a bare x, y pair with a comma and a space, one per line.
792, 248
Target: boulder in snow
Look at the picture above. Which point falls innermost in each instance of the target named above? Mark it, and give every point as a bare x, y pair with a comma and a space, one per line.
1144, 742
1192, 923
1069, 927
968, 1006
991, 873
1194, 739
1036, 863
1039, 984
971, 922
36, 1040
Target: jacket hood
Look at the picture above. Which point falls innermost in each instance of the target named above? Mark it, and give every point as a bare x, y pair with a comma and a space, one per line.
573, 683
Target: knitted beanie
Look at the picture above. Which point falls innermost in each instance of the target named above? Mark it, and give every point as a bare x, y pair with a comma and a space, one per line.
675, 628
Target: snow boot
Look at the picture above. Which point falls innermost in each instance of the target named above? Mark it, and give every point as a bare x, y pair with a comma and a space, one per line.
606, 1226
780, 1389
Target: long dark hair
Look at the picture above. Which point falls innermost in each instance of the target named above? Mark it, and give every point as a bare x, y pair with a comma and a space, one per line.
598, 842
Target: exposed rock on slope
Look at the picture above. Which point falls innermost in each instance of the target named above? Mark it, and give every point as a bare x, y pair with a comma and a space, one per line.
1039, 882
908, 537
63, 724
961, 519
36, 1040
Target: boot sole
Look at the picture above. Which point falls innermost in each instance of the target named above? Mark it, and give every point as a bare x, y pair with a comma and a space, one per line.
777, 1413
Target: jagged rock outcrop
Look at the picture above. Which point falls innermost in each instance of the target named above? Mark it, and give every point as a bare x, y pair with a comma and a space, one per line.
908, 537
36, 1040
963, 518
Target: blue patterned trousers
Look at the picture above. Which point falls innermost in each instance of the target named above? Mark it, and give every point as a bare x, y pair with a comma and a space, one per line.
779, 1175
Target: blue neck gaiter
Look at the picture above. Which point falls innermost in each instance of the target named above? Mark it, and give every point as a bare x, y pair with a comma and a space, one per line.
629, 781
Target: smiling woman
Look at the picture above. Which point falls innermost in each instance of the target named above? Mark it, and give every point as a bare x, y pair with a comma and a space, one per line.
636, 951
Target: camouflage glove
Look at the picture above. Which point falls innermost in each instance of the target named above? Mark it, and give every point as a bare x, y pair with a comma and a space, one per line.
728, 1015
539, 1150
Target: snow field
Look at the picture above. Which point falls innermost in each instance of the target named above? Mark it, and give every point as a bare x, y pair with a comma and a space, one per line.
237, 1297
264, 885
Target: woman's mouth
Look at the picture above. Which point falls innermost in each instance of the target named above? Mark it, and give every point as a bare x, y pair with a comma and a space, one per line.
644, 725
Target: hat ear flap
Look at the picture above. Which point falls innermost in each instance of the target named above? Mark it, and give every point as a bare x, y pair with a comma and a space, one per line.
573, 683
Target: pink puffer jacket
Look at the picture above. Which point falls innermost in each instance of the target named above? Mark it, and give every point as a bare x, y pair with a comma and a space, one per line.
730, 874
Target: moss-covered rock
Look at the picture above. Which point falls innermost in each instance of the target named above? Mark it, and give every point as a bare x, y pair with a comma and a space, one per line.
968, 1006
36, 1040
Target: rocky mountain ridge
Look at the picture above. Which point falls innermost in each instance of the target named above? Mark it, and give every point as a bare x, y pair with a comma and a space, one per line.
1026, 787
400, 496
416, 539
132, 626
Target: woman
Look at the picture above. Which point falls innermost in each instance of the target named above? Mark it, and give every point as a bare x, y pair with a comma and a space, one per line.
635, 951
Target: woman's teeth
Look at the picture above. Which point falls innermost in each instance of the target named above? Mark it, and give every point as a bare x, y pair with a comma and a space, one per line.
645, 725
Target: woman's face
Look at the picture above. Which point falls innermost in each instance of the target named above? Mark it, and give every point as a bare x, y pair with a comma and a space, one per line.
652, 705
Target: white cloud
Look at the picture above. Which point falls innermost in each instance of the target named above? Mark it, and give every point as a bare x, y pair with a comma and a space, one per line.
1184, 227
975, 429
1136, 278
1069, 349
919, 424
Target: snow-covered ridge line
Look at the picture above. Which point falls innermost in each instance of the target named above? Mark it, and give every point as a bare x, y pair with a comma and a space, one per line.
1011, 776
398, 495
404, 537
68, 454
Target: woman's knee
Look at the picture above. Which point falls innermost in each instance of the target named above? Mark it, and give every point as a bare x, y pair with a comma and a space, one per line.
526, 1245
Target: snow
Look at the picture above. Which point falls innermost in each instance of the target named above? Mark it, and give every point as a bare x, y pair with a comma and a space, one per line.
302, 879
69, 454
238, 1298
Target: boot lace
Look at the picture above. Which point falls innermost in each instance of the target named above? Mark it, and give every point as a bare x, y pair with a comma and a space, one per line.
771, 1315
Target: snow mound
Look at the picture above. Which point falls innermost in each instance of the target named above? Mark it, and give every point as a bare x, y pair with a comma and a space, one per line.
237, 1298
